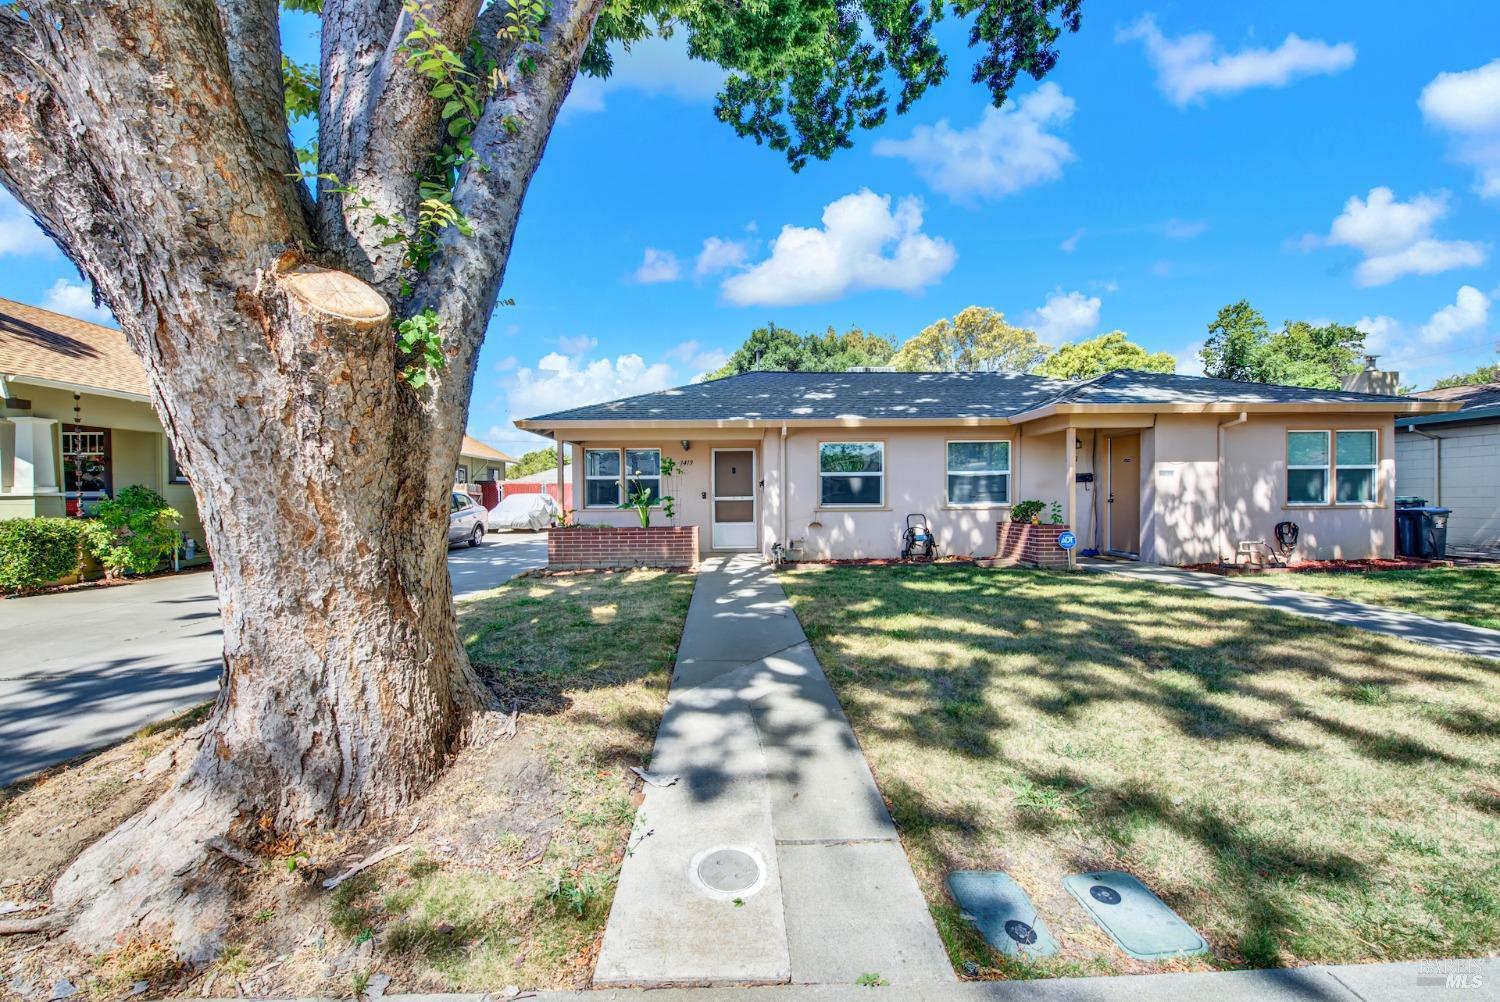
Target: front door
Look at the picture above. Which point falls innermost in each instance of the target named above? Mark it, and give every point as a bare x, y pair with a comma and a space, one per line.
733, 499
1125, 493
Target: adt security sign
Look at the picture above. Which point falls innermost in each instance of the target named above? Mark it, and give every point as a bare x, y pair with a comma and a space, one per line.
1067, 540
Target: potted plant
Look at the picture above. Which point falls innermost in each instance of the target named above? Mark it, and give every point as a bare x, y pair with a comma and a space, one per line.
1026, 511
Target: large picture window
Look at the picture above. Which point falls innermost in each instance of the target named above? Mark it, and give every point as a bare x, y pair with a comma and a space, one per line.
1355, 467
978, 474
643, 473
601, 478
1307, 464
851, 473
85, 458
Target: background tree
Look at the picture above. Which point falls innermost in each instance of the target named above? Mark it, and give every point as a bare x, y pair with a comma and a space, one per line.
311, 354
534, 461
1484, 374
777, 349
1235, 340
1242, 346
1102, 354
977, 340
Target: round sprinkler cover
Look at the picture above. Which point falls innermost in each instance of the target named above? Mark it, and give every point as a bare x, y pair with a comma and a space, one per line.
729, 871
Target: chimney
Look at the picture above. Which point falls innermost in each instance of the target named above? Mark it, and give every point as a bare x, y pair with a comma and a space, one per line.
1372, 380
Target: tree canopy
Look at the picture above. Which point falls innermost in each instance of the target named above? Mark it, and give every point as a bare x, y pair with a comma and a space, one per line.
979, 339
535, 461
1483, 374
1242, 346
777, 349
1105, 353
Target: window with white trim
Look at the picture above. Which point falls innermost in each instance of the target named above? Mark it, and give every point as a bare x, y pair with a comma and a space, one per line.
601, 478
643, 472
1355, 468
851, 474
978, 474
1307, 466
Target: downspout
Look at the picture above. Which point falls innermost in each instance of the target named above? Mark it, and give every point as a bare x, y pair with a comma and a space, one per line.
1223, 520
781, 500
1437, 462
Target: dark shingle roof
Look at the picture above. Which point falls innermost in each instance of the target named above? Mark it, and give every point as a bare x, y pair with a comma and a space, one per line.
1480, 402
778, 396
876, 396
1133, 386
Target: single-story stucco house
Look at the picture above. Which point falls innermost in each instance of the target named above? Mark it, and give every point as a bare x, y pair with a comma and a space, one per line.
1453, 460
1167, 468
76, 420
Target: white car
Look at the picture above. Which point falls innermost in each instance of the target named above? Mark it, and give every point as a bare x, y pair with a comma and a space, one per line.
534, 512
466, 520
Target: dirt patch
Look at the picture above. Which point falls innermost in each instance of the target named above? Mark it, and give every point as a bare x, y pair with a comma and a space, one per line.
509, 862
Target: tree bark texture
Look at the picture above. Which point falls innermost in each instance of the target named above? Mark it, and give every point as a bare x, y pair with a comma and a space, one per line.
141, 134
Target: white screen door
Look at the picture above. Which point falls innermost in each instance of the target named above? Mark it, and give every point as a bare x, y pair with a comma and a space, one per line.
734, 499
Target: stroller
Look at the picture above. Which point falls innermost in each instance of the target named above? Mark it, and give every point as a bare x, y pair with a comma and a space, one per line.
917, 540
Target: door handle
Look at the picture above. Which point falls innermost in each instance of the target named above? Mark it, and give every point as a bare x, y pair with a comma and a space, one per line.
1111, 497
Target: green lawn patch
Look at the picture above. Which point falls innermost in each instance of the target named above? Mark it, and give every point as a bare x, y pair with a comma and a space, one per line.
1463, 594
1299, 792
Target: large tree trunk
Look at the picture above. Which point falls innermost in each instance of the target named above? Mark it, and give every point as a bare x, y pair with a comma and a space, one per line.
141, 134
345, 685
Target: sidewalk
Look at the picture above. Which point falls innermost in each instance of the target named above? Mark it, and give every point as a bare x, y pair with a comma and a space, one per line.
772, 858
1418, 981
1457, 637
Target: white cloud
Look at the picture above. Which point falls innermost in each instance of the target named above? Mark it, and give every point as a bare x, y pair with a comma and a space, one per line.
559, 382
1380, 332
1396, 238
1183, 229
1467, 105
19, 233
1189, 361
862, 244
1069, 245
1469, 311
655, 67
576, 344
1191, 66
1065, 316
721, 255
76, 300
657, 266
1008, 149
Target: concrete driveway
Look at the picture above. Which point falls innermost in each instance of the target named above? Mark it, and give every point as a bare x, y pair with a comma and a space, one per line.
82, 669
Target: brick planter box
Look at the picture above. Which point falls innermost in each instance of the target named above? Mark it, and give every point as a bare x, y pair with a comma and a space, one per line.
1032, 545
598, 547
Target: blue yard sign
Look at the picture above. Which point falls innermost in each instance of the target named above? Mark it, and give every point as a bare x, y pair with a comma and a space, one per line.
1067, 540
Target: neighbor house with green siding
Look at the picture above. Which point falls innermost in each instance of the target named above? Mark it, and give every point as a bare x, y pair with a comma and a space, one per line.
76, 421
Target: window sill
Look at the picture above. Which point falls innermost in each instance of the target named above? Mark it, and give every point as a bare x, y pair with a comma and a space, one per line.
852, 507
998, 506
1360, 506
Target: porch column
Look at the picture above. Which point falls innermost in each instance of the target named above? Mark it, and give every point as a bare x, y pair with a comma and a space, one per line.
33, 468
1070, 489
562, 492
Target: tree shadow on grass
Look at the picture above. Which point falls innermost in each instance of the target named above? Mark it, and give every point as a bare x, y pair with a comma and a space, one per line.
997, 656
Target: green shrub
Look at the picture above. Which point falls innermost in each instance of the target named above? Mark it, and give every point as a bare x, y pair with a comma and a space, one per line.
1025, 511
133, 531
37, 551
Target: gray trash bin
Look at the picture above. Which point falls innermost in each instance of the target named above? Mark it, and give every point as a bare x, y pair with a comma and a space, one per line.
1434, 537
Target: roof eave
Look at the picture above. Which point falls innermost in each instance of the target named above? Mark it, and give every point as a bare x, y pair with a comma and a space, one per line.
58, 384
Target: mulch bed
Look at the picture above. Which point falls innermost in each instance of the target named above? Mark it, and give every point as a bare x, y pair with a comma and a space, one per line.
1324, 566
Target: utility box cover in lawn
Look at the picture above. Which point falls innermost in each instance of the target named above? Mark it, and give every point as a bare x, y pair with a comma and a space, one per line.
1002, 912
1135, 919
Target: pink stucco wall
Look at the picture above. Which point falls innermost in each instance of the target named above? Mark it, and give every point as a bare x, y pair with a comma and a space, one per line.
1181, 518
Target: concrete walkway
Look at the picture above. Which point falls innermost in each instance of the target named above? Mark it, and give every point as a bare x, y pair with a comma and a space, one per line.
1457, 637
1419, 981
769, 768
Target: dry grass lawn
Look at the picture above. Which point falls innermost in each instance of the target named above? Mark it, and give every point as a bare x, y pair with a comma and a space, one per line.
1463, 594
1299, 792
513, 854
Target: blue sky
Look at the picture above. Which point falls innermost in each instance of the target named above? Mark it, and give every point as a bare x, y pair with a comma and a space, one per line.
1330, 161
